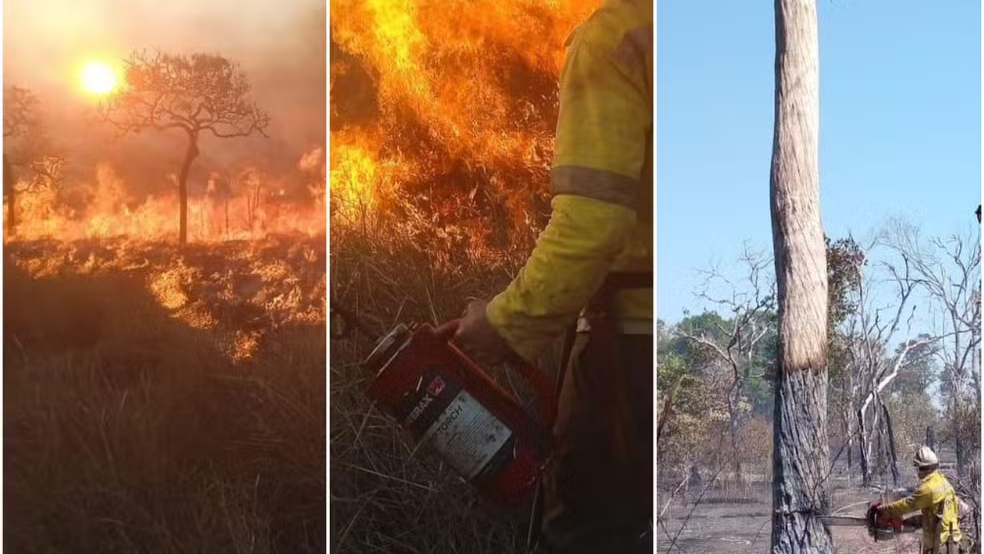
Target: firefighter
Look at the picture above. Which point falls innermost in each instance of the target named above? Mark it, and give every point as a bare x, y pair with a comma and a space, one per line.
591, 274
938, 503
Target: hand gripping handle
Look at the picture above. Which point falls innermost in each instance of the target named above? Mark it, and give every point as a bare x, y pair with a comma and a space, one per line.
533, 376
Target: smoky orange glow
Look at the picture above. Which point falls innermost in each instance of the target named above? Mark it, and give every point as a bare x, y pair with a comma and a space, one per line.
107, 185
164, 275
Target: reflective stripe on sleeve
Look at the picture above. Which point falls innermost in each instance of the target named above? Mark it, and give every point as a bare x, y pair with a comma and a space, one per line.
596, 184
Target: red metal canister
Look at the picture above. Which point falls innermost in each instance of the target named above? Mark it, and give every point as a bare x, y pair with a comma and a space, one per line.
446, 401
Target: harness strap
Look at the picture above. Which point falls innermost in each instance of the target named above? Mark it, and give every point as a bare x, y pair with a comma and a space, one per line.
603, 325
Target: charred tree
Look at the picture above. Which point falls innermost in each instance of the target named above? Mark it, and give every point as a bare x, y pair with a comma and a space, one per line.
893, 455
800, 454
849, 431
11, 193
197, 94
21, 128
864, 456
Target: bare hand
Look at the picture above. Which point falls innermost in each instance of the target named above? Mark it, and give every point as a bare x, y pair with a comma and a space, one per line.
479, 338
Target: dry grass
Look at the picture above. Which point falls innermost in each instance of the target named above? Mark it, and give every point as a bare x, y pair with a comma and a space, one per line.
385, 496
148, 407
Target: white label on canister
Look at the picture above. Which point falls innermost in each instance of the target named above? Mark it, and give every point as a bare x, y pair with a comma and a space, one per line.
467, 435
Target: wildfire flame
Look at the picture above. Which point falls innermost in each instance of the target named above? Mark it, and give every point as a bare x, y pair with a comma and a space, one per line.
247, 204
240, 291
430, 101
435, 86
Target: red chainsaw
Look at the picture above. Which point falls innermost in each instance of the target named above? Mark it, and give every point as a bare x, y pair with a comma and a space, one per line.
880, 527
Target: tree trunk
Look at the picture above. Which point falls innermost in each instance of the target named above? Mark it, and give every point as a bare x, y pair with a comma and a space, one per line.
930, 438
872, 449
893, 456
11, 192
801, 457
976, 374
956, 383
958, 442
11, 212
879, 456
850, 458
190, 156
863, 453
954, 416
849, 432
734, 400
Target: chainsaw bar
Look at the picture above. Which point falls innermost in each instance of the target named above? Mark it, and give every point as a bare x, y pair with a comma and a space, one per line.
850, 521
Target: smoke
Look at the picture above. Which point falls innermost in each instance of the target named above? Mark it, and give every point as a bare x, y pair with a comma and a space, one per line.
279, 45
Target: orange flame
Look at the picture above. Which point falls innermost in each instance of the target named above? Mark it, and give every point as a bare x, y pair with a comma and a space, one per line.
246, 205
478, 76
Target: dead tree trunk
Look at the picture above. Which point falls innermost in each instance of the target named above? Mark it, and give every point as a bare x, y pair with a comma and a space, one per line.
880, 449
190, 154
800, 455
870, 439
733, 412
11, 192
958, 446
956, 391
863, 452
849, 433
893, 457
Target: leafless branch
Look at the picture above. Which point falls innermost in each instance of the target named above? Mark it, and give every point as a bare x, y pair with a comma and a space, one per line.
20, 112
197, 93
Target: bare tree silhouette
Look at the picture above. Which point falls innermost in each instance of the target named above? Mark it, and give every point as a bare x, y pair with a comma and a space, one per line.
196, 94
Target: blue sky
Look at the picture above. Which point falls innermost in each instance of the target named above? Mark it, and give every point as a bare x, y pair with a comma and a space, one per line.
900, 126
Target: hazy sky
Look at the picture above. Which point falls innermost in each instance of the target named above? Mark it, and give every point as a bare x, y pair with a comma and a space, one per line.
900, 126
280, 45
44, 38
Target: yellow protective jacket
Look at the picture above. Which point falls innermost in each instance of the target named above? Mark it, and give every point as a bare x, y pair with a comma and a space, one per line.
601, 180
937, 501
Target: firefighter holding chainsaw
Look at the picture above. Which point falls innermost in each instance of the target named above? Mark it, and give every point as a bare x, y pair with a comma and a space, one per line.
937, 502
591, 275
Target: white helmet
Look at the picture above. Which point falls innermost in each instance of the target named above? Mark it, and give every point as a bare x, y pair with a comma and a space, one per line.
925, 457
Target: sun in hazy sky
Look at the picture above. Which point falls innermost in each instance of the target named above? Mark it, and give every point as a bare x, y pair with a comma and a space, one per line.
98, 78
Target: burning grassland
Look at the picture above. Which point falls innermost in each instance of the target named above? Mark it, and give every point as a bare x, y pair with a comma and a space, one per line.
159, 399
442, 122
241, 290
447, 108
162, 398
237, 204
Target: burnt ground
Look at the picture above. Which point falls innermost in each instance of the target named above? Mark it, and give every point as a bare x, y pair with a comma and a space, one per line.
727, 524
736, 520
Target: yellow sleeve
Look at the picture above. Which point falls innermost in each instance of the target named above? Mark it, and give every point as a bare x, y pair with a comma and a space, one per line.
602, 131
919, 499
